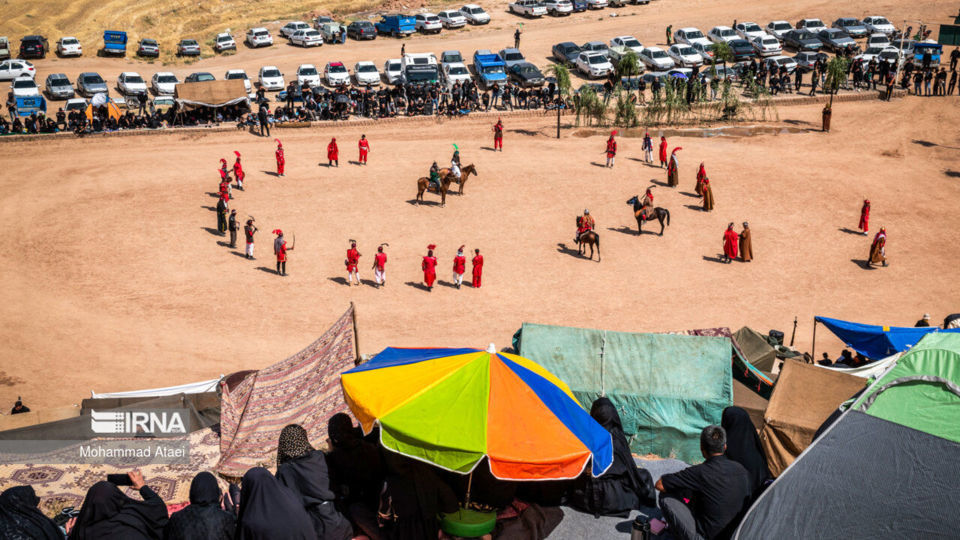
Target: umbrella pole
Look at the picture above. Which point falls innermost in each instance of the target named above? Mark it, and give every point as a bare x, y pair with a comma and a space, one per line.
466, 503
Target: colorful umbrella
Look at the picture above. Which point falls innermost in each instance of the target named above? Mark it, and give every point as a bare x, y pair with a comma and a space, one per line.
452, 407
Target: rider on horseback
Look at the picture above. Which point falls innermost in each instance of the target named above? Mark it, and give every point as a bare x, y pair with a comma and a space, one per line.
646, 206
455, 164
435, 175
585, 223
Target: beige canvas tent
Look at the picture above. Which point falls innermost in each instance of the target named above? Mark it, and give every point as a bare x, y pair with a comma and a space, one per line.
805, 395
211, 94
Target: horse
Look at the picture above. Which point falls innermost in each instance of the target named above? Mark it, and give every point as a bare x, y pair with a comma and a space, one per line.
465, 173
588, 238
638, 212
424, 184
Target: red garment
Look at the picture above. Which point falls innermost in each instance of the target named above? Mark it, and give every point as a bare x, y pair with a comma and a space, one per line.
459, 264
663, 149
865, 217
477, 270
353, 257
498, 136
224, 190
282, 251
224, 174
381, 260
281, 161
429, 270
611, 147
364, 146
333, 152
701, 174
238, 171
730, 243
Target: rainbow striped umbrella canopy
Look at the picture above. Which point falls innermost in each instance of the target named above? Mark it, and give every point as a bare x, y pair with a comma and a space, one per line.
452, 407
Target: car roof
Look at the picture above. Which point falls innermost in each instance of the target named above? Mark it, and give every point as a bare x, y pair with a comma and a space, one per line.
471, 6
625, 37
331, 64
366, 63
721, 28
295, 22
269, 67
164, 73
652, 49
301, 66
593, 53
89, 73
221, 34
68, 37
259, 28
510, 50
128, 73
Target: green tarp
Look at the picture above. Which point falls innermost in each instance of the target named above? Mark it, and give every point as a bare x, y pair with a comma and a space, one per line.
666, 387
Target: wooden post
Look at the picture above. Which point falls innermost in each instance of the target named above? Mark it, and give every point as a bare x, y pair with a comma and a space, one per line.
813, 353
466, 503
356, 335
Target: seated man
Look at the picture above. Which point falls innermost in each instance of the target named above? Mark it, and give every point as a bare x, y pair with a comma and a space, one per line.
435, 175
718, 489
585, 223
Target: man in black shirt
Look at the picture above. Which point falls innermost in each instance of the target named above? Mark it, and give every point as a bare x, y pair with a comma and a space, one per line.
718, 489
924, 322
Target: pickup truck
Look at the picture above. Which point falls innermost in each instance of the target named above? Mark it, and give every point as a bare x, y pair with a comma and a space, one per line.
490, 68
617, 53
528, 8
115, 42
396, 25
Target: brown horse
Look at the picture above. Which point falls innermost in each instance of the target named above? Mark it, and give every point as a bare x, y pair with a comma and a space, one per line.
655, 213
424, 185
465, 173
588, 238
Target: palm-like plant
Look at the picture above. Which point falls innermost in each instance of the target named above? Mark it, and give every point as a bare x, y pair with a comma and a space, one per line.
626, 112
629, 65
562, 74
836, 75
723, 53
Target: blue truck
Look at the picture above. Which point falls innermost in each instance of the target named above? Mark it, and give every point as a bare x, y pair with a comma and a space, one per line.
114, 43
490, 68
396, 25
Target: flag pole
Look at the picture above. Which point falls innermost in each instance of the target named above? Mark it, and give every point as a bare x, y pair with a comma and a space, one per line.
356, 334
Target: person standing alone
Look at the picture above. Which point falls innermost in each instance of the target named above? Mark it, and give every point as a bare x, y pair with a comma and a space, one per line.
380, 267
459, 267
233, 226
333, 153
364, 146
248, 231
353, 259
281, 160
429, 267
477, 268
516, 38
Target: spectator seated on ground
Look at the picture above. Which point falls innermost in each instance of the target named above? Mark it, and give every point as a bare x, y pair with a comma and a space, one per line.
21, 518
412, 498
109, 514
718, 490
203, 519
269, 510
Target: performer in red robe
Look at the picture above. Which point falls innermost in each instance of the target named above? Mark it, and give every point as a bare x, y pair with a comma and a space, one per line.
429, 267
459, 267
663, 152
238, 171
281, 161
498, 135
730, 242
380, 266
333, 153
701, 174
878, 249
477, 268
353, 258
611, 149
364, 146
865, 217
673, 169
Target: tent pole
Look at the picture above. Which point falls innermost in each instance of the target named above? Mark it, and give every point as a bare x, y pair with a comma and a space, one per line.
466, 503
356, 335
813, 354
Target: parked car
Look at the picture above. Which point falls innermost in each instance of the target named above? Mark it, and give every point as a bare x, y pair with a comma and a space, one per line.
780, 61
597, 4
777, 29
629, 42
558, 8
748, 30
420, 68
742, 50
527, 8
336, 74
876, 24
366, 74
455, 71
890, 55
566, 52
188, 47
114, 43
75, 104
33, 47
872, 53
235, 74
806, 59
322, 20
224, 42
69, 46
618, 53
511, 56
24, 87
13, 68
4, 48
292, 27
427, 23
450, 57
148, 48
766, 45
579, 6
489, 68
259, 37
475, 14
360, 30
129, 83
58, 86
332, 32
526, 74
851, 25
307, 73
684, 55
595, 46
656, 59
270, 78
306, 38
164, 83
690, 36
705, 50
836, 40
802, 40
200, 76
393, 70
810, 25
396, 25
452, 19
594, 64
90, 83
878, 40
722, 34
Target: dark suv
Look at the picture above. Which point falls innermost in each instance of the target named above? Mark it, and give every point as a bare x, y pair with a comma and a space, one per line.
34, 47
361, 30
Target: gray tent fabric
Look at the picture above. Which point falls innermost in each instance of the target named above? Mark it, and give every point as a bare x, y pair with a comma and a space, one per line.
756, 349
864, 478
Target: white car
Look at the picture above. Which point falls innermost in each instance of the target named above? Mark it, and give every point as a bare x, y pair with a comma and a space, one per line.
307, 38
781, 61
366, 74
452, 19
749, 30
69, 46
336, 74
307, 73
690, 36
766, 45
528, 8
684, 55
722, 34
878, 24
878, 40
129, 83
475, 14
597, 4
656, 59
238, 74
558, 7
393, 70
872, 53
811, 25
224, 42
271, 79
778, 28
15, 68
427, 23
454, 72
164, 83
594, 64
24, 87
629, 42
259, 37
292, 27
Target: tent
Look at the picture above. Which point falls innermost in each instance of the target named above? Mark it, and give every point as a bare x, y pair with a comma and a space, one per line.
666, 387
112, 111
887, 468
804, 397
211, 94
756, 349
875, 341
190, 388
868, 371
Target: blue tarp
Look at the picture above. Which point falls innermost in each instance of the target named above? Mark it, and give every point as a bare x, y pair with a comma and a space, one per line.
875, 341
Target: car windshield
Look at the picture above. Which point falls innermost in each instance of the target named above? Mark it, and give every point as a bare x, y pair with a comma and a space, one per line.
421, 75
694, 34
475, 11
58, 79
149, 42
24, 83
262, 33
232, 76
92, 79
727, 32
685, 51
658, 54
513, 56
204, 77
367, 69
166, 79
337, 68
134, 79
597, 59
189, 43
527, 70
631, 43
493, 70
308, 71
880, 20
751, 28
69, 41
806, 35
224, 38
432, 18
452, 58
311, 33
365, 24
770, 41
271, 73
458, 70
393, 66
782, 26
873, 50
814, 22
570, 48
